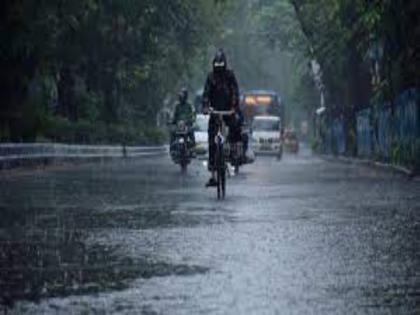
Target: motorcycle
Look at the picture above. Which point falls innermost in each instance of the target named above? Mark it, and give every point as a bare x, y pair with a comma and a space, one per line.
181, 145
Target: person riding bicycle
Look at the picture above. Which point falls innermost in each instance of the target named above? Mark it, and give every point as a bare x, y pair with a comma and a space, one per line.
184, 111
221, 93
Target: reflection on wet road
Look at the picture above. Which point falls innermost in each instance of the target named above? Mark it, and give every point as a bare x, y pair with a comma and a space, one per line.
135, 237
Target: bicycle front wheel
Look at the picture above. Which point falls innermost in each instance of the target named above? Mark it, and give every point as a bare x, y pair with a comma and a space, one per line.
223, 179
220, 171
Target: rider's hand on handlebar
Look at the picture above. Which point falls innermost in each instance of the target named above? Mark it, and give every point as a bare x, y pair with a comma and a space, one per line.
207, 110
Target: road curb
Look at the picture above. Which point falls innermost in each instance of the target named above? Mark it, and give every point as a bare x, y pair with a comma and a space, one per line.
379, 165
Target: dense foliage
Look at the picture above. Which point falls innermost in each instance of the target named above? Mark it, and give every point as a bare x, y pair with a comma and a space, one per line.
368, 51
96, 70
100, 70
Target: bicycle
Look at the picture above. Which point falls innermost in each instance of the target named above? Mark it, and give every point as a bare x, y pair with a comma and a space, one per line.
221, 151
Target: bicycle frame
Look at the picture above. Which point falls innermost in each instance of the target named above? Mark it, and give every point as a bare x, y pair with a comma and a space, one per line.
220, 151
221, 131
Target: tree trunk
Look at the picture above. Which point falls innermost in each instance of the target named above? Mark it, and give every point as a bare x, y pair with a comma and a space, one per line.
66, 99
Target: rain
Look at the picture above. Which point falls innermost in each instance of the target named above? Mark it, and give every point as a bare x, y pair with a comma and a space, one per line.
209, 157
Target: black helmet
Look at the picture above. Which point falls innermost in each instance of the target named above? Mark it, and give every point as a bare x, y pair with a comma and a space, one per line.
219, 61
183, 95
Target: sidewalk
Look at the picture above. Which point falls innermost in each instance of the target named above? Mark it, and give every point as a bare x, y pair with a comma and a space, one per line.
379, 165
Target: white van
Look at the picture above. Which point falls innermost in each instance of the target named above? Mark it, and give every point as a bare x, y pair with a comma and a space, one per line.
266, 135
201, 137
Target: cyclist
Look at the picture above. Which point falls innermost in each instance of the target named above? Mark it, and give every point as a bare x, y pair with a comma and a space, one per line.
221, 92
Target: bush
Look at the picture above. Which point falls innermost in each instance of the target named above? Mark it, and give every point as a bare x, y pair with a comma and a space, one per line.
88, 104
414, 157
59, 129
406, 154
4, 132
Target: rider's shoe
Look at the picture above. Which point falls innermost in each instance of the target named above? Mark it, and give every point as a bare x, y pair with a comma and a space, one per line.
211, 182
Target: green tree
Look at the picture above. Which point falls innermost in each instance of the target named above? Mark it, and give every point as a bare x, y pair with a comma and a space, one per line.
113, 62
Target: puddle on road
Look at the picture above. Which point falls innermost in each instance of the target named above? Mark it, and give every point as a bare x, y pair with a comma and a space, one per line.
38, 262
32, 271
145, 216
398, 297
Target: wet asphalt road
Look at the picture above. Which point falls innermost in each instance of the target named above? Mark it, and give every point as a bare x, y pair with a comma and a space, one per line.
300, 236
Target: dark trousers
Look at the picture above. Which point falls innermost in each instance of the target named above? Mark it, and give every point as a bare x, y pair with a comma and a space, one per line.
234, 136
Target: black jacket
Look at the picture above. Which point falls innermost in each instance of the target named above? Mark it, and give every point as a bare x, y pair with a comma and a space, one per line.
221, 91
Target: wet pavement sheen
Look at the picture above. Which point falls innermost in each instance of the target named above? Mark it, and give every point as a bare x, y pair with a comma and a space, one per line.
299, 236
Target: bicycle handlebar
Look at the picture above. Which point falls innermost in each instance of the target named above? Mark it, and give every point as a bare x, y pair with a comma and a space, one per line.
221, 112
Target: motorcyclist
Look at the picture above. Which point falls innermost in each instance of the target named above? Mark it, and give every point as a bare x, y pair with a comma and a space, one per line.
221, 92
184, 111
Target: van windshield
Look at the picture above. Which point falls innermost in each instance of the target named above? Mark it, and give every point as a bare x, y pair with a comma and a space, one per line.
266, 125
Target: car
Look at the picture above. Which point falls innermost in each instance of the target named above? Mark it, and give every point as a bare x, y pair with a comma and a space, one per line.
266, 135
291, 143
201, 135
